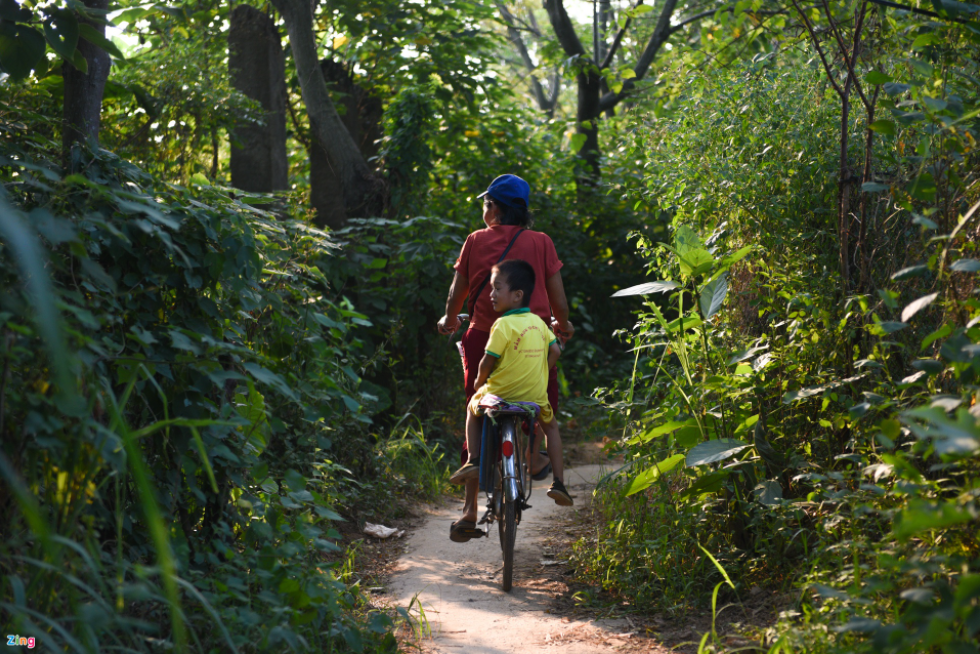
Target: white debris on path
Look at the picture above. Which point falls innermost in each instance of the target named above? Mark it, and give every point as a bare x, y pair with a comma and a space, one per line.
382, 532
458, 585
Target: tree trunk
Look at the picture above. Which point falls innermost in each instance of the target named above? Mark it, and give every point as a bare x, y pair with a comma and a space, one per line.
83, 94
362, 114
258, 69
591, 102
589, 84
363, 190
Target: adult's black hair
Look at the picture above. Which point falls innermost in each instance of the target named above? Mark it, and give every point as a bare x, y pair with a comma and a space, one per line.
519, 275
513, 216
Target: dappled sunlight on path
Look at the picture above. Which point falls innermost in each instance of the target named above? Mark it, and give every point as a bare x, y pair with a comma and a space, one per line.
458, 585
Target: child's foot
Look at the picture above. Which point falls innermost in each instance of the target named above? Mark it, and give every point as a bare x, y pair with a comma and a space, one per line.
558, 493
470, 470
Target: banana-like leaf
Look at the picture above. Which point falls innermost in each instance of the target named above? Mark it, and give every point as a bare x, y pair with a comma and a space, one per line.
713, 296
649, 287
714, 451
918, 305
653, 473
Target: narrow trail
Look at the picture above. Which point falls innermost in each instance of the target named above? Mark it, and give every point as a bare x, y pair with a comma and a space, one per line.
459, 584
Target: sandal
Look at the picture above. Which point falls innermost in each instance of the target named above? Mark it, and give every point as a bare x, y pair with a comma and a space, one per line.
469, 470
463, 530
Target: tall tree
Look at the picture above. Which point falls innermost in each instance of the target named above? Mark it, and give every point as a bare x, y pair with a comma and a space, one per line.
85, 85
591, 103
364, 192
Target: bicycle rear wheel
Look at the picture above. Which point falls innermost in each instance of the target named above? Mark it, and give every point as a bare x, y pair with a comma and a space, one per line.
508, 536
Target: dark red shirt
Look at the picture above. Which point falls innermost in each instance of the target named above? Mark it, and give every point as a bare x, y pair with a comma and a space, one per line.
480, 253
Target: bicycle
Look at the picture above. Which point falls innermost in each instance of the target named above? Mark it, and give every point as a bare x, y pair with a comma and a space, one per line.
504, 474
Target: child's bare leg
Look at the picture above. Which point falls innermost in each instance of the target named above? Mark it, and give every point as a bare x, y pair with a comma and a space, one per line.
554, 449
538, 461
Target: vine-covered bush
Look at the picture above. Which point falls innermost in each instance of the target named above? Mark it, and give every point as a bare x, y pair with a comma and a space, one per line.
182, 416
800, 431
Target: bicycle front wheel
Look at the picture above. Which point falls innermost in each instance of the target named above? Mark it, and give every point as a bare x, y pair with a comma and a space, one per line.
508, 537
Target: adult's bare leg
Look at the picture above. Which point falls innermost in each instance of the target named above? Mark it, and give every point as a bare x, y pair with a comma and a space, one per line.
469, 503
538, 460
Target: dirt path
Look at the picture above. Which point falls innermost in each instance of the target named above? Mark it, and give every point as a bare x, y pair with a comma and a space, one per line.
459, 585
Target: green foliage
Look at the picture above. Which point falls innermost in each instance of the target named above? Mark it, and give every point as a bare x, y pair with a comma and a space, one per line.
826, 441
407, 153
23, 45
222, 415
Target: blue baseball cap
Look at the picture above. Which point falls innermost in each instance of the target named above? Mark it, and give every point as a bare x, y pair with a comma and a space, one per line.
510, 190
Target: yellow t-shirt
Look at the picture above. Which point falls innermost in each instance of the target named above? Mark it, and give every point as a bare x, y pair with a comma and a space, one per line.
520, 341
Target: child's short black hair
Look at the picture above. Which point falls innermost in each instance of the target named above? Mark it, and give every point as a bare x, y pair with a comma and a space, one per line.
519, 275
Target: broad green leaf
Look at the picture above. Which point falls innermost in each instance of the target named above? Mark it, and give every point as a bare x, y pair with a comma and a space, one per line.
886, 327
714, 451
11, 10
923, 68
685, 240
21, 52
576, 142
713, 296
61, 31
746, 354
912, 271
80, 62
942, 332
688, 436
892, 89
660, 430
94, 37
875, 77
874, 187
643, 480
683, 324
693, 259
956, 437
294, 480
626, 72
930, 366
737, 256
965, 265
929, 517
883, 127
917, 306
269, 378
924, 40
709, 483
768, 493
649, 287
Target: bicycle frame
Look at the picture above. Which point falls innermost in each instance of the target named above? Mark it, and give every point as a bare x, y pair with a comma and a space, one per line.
508, 439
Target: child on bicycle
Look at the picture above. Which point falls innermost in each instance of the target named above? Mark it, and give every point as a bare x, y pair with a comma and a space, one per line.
519, 354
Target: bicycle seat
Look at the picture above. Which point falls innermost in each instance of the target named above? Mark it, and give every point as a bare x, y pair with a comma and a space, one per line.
498, 406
